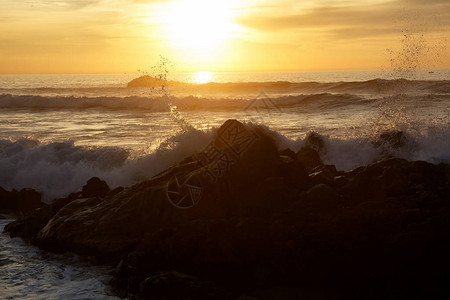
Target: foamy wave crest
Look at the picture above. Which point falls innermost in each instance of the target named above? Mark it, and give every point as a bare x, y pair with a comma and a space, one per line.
59, 168
347, 154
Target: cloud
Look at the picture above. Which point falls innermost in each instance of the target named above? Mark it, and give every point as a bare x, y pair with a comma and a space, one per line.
375, 19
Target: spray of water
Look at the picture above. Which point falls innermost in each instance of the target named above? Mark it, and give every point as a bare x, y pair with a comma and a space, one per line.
395, 123
408, 59
392, 114
161, 72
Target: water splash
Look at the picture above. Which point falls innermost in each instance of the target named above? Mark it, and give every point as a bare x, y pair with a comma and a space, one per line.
404, 65
410, 57
162, 70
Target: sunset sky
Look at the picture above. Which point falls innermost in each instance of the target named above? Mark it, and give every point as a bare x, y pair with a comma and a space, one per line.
97, 36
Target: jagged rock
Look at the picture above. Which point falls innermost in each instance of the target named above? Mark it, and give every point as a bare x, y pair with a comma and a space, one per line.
20, 203
288, 153
7, 200
324, 176
95, 187
115, 191
29, 200
29, 226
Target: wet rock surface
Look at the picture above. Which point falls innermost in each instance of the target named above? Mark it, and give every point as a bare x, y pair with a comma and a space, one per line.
239, 221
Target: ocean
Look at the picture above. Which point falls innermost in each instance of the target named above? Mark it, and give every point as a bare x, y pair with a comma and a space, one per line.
29, 273
57, 131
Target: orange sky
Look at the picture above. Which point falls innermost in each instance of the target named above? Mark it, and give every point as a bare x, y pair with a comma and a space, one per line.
98, 36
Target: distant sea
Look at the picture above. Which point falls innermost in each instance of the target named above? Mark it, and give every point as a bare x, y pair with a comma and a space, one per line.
57, 131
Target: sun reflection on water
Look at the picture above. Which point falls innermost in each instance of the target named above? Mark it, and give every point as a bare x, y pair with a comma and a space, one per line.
203, 77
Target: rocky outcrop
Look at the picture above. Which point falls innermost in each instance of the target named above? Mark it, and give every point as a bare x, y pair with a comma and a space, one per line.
37, 217
243, 219
95, 187
20, 202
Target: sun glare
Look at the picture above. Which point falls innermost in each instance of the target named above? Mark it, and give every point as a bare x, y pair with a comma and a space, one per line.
199, 25
202, 77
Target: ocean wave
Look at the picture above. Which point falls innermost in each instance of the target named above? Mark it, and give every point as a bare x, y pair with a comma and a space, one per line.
59, 168
369, 87
374, 86
189, 103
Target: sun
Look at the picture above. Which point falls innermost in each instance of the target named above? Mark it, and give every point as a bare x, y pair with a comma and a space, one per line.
202, 77
199, 25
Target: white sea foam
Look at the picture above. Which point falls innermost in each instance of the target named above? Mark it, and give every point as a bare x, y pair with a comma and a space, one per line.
57, 169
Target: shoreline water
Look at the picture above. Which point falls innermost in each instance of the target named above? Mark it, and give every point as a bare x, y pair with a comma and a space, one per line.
29, 273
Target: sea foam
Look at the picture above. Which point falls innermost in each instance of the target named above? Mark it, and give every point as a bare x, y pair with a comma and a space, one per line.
59, 168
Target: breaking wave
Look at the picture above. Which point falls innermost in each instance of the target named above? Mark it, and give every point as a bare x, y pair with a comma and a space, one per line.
59, 168
159, 104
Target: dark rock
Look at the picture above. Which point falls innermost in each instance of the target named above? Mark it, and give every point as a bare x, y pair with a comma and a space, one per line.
296, 174
115, 191
322, 194
315, 141
20, 203
72, 230
376, 182
175, 285
309, 157
29, 226
332, 169
289, 153
29, 200
321, 177
7, 200
95, 187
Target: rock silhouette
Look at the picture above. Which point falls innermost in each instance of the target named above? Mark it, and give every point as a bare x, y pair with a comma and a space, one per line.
20, 202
